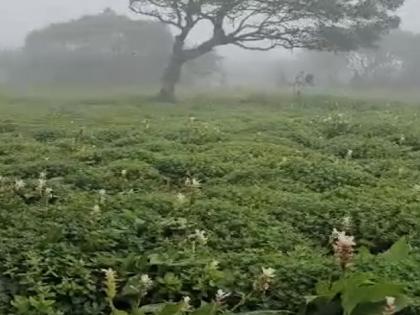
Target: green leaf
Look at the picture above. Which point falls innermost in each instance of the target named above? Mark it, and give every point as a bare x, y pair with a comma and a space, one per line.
171, 309
364, 253
208, 309
152, 308
399, 251
377, 308
355, 295
266, 312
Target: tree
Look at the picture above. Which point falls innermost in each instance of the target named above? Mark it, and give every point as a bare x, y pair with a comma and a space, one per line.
266, 24
106, 48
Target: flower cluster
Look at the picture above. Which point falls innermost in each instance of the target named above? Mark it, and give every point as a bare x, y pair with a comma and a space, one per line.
343, 246
192, 182
146, 281
265, 279
19, 184
200, 237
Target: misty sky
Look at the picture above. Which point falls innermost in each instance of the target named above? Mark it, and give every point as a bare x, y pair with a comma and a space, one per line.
18, 17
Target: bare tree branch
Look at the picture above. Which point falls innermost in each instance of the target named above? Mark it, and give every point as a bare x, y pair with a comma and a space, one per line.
267, 24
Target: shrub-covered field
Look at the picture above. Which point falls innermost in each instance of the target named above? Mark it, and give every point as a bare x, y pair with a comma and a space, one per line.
200, 196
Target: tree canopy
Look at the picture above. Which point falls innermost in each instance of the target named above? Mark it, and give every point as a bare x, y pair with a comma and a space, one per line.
266, 24
104, 48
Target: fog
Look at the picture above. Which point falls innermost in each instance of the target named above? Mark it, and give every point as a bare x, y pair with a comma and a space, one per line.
18, 18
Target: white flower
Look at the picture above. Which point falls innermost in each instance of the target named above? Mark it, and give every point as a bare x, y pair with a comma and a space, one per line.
19, 184
195, 183
146, 281
349, 154
390, 300
343, 247
390, 307
41, 183
221, 295
214, 264
346, 240
192, 182
49, 192
402, 139
102, 192
187, 303
269, 272
186, 300
96, 209
181, 198
200, 236
347, 222
124, 173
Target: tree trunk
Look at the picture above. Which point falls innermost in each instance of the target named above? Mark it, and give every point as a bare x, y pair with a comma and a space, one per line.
171, 77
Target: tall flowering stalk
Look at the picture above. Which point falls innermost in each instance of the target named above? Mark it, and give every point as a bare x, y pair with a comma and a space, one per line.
343, 246
110, 286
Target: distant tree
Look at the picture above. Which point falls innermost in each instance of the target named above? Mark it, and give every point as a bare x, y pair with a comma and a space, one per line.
266, 24
103, 48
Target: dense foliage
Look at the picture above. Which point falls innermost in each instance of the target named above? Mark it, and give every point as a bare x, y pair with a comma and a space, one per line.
167, 191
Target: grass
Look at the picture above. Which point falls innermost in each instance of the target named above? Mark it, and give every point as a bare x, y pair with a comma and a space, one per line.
277, 175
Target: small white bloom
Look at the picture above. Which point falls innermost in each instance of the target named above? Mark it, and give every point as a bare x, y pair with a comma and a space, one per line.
96, 209
390, 300
349, 154
195, 183
269, 272
19, 184
335, 234
181, 198
49, 192
41, 183
214, 264
102, 192
347, 222
200, 236
402, 139
146, 281
221, 295
346, 240
124, 173
187, 303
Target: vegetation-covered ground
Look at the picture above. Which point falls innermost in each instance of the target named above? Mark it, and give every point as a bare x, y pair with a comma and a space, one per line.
276, 176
